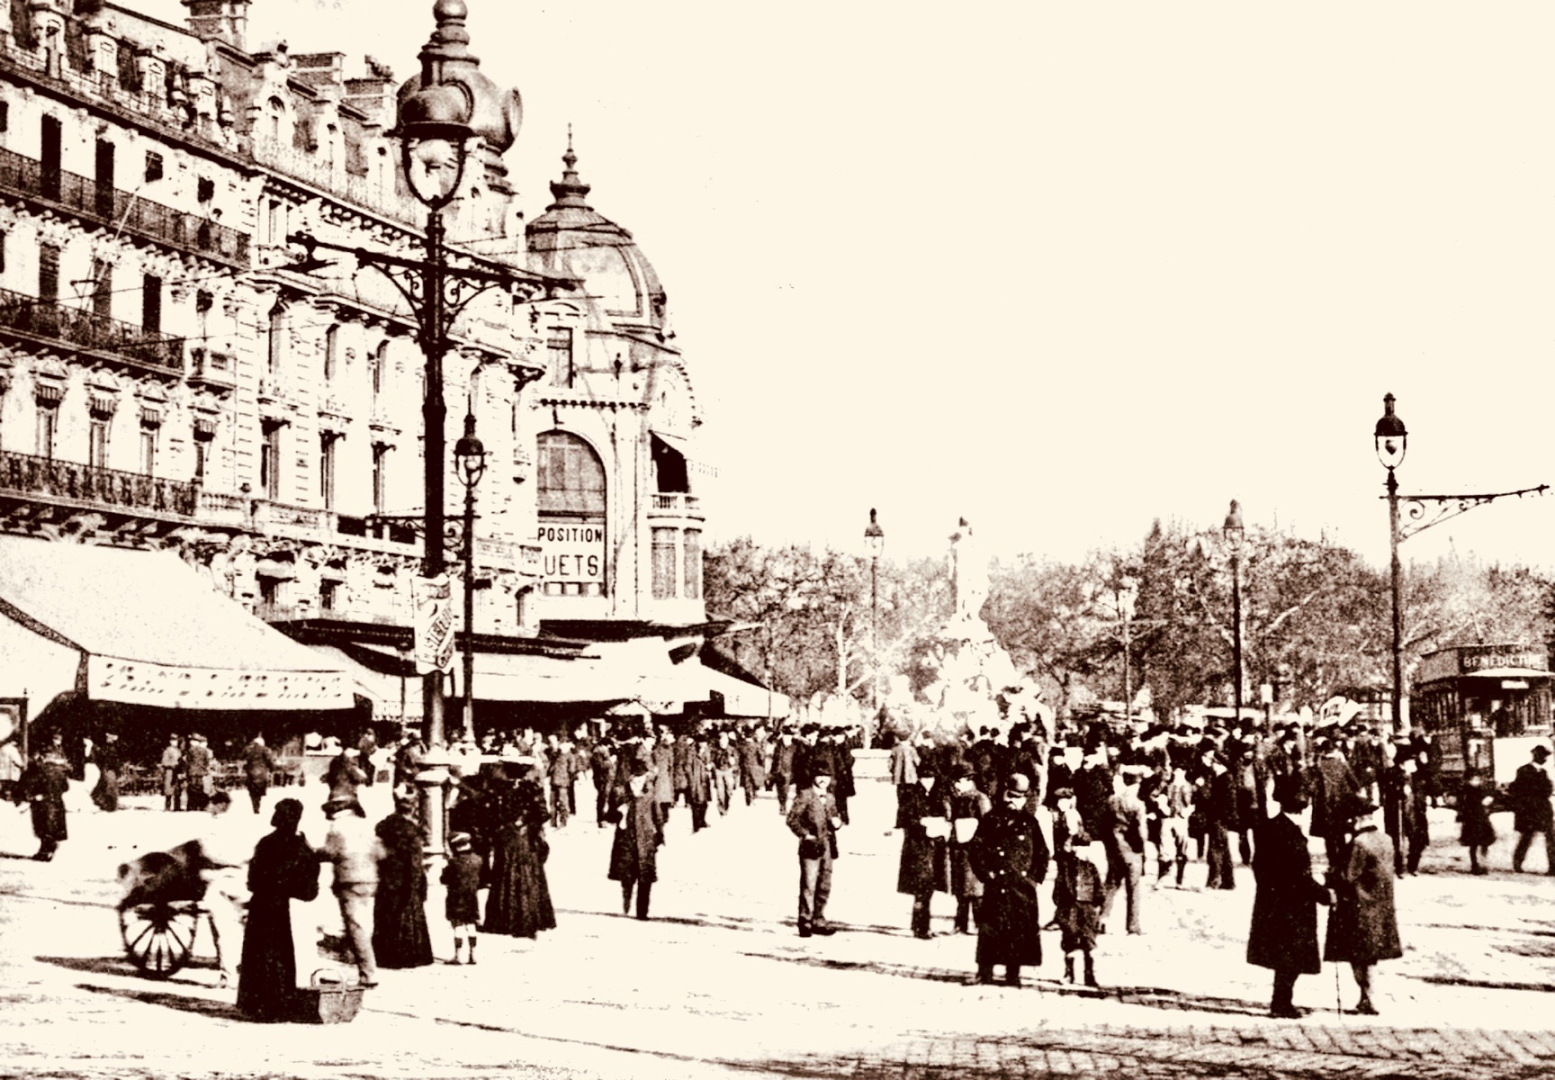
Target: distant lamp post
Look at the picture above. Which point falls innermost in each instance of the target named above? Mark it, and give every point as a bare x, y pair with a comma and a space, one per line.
874, 543
1392, 440
470, 462
1128, 601
1236, 536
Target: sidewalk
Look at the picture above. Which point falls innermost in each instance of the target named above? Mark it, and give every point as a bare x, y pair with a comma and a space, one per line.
718, 983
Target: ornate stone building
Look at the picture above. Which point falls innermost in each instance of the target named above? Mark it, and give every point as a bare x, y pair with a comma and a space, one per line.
174, 375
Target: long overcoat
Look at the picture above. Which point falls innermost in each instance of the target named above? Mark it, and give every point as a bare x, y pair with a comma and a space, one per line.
1363, 925
664, 772
925, 859
1284, 931
753, 770
699, 777
1529, 794
400, 937
44, 784
970, 807
634, 851
1010, 856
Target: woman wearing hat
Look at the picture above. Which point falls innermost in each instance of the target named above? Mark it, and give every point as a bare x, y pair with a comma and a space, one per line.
283, 869
519, 903
400, 937
1363, 925
924, 817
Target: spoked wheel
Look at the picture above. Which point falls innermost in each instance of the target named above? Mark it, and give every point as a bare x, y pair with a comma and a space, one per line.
159, 937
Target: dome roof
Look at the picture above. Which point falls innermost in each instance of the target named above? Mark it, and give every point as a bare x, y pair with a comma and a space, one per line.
572, 239
495, 113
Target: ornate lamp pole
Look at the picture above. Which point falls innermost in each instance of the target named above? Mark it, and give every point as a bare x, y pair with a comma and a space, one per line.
470, 460
874, 543
1392, 440
1235, 536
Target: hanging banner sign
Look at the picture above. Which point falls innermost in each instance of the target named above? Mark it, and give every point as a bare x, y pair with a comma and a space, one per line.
434, 626
573, 551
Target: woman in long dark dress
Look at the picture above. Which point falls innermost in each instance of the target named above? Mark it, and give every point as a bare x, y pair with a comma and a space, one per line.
519, 903
283, 869
400, 936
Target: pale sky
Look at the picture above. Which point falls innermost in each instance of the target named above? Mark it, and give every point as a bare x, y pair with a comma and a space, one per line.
1062, 268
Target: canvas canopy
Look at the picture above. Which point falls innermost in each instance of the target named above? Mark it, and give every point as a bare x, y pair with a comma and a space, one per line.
143, 628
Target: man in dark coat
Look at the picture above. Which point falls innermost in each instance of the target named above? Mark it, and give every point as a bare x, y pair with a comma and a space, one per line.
1529, 794
752, 754
1284, 931
602, 767
258, 764
1363, 925
1219, 819
634, 852
109, 762
783, 767
1009, 856
1333, 782
814, 819
923, 815
1403, 813
43, 785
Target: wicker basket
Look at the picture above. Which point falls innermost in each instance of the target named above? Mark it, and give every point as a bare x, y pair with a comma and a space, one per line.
328, 999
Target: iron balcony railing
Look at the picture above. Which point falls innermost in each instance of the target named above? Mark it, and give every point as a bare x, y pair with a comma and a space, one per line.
28, 474
87, 330
112, 208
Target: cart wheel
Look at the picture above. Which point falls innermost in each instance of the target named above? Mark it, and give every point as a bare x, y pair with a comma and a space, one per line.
158, 937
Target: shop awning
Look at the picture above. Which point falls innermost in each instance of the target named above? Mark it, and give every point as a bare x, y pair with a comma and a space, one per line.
149, 630
741, 698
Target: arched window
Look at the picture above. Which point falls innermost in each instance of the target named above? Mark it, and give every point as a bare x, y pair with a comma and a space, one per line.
331, 352
571, 498
277, 337
277, 114
377, 365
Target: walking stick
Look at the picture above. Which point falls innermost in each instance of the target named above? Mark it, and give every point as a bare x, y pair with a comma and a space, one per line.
1338, 993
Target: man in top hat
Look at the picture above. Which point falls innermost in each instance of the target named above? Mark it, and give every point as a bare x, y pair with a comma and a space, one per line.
814, 819
1529, 795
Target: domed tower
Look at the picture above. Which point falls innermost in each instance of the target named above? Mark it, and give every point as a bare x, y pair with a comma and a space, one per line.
572, 239
495, 114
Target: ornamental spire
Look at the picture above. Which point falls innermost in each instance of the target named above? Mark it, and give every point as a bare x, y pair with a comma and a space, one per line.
569, 190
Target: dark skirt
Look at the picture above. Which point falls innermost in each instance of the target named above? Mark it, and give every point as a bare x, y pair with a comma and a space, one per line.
519, 903
267, 980
400, 938
48, 819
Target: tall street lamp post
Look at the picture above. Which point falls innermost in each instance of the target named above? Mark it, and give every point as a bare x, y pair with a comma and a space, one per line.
1235, 535
1391, 439
436, 131
874, 542
470, 461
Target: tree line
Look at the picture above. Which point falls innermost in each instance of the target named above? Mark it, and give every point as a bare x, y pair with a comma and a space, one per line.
1316, 618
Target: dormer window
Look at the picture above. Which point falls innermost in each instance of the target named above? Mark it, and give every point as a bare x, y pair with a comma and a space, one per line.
277, 113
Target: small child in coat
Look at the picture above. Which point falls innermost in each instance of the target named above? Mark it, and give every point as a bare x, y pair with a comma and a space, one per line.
1474, 812
462, 877
1078, 892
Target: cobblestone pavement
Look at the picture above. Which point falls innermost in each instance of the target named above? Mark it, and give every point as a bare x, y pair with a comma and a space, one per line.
718, 984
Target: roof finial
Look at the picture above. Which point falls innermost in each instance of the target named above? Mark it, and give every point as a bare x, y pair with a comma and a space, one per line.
569, 190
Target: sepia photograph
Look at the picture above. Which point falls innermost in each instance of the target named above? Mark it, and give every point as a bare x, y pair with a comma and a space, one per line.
661, 541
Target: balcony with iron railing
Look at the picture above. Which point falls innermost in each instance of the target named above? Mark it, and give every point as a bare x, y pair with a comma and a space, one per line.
33, 476
285, 158
32, 319
109, 207
675, 504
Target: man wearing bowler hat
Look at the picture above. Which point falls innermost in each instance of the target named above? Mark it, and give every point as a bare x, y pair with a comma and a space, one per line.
1529, 795
814, 819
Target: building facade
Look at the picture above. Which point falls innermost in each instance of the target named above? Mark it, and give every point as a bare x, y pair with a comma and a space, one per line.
175, 375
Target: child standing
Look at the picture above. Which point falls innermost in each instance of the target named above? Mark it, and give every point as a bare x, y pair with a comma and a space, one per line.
1078, 892
1474, 812
462, 876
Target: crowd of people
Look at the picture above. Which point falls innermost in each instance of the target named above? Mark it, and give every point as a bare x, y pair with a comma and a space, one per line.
983, 817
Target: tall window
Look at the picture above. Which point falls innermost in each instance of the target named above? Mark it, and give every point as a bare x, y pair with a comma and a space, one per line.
203, 302
202, 448
327, 441
380, 476
102, 289
571, 501
692, 574
97, 442
153, 166
558, 347
375, 365
277, 343
48, 272
331, 352
328, 592
664, 563
276, 114
275, 223
151, 304
270, 462
48, 425
148, 448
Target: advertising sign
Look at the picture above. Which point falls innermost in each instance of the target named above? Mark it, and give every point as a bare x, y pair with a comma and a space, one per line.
434, 624
573, 552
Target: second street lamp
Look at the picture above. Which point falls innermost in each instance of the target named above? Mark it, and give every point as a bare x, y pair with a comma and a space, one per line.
1235, 535
874, 542
470, 461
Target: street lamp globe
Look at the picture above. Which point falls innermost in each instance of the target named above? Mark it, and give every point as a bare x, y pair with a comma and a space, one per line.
434, 130
1233, 530
1392, 438
874, 537
470, 455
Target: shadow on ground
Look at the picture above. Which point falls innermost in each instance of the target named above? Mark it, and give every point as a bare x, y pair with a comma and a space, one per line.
200, 1006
